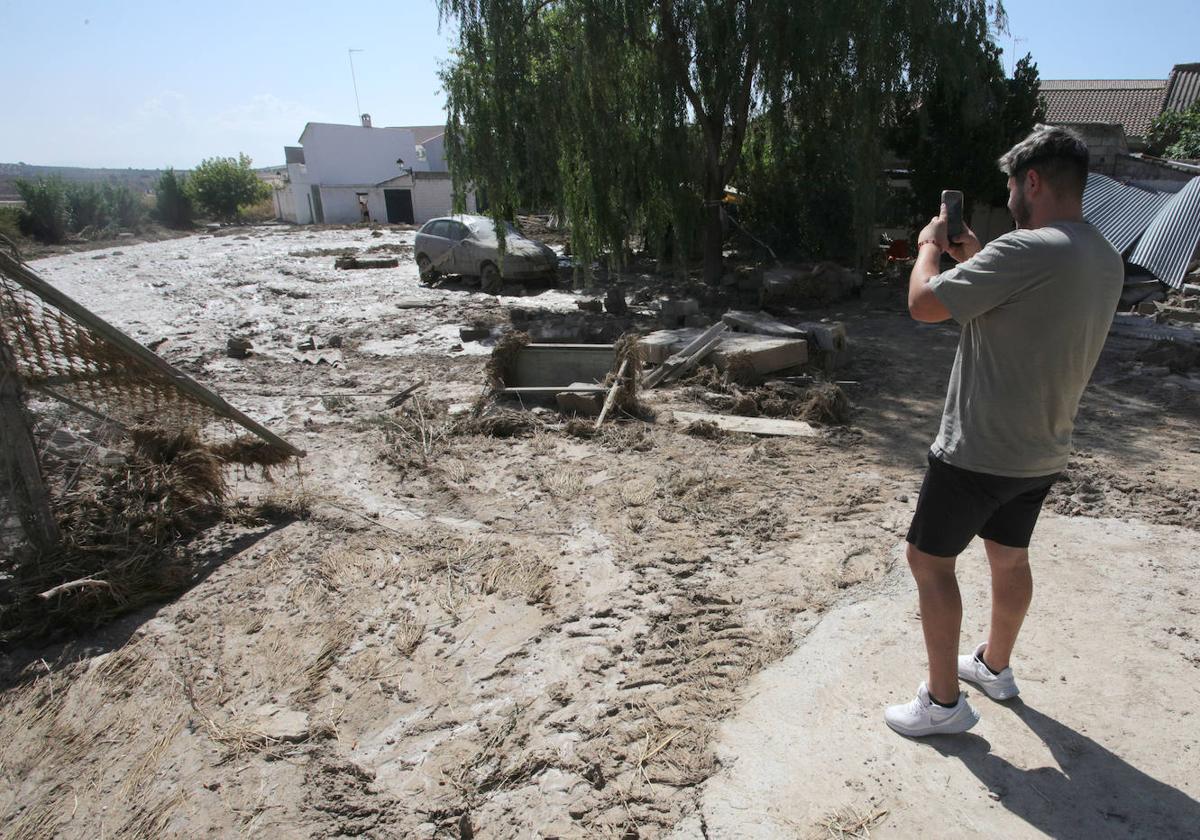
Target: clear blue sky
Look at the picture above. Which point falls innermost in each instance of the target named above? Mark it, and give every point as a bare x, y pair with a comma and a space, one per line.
149, 84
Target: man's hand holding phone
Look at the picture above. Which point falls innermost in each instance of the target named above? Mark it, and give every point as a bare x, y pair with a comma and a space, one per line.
966, 244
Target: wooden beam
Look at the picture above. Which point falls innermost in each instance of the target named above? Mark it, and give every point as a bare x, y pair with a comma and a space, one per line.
705, 341
21, 461
767, 426
178, 378
612, 393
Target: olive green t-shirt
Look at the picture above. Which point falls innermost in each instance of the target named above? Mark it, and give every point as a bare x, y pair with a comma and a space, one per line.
1035, 307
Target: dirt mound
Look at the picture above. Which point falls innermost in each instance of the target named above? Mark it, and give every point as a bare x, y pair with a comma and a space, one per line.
1090, 488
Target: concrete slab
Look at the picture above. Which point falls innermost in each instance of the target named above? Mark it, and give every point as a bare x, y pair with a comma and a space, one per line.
1103, 742
767, 353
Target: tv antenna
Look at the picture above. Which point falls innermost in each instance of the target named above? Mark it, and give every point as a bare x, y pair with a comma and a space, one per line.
354, 80
1015, 41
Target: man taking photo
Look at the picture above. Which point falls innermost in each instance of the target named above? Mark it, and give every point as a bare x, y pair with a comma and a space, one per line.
1035, 307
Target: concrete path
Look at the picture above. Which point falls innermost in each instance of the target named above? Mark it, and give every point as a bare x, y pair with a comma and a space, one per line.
1103, 742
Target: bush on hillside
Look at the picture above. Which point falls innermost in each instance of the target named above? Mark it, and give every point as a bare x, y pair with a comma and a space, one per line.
221, 186
46, 215
10, 222
173, 206
126, 209
87, 207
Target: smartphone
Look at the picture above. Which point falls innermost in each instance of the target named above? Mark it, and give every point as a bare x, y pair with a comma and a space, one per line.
953, 199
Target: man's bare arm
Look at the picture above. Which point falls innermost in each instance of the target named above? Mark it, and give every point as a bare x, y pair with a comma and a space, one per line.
923, 304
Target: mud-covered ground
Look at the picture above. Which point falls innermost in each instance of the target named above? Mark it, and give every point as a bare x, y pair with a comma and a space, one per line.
493, 637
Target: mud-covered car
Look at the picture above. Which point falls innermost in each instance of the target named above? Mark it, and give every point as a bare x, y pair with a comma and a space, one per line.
467, 245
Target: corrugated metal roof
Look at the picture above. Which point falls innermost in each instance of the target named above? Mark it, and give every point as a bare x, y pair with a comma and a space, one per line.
1120, 212
1170, 241
1183, 88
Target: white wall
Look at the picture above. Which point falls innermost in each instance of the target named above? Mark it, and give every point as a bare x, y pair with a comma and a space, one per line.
435, 154
285, 203
341, 205
352, 154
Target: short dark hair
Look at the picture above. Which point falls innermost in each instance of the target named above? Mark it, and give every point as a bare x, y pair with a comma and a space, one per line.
1058, 154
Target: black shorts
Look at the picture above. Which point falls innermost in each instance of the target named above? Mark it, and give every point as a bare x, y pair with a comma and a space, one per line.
956, 504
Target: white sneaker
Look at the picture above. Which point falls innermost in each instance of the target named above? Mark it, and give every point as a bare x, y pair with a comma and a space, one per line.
1000, 686
924, 717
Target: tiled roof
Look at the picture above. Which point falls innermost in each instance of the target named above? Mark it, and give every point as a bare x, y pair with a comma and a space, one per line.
1183, 88
1132, 103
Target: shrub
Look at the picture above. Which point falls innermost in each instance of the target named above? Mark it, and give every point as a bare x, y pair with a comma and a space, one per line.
10, 222
47, 215
173, 206
1176, 134
260, 211
124, 206
87, 206
220, 186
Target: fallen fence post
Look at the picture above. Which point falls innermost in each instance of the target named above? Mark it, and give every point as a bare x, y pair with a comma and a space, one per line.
612, 393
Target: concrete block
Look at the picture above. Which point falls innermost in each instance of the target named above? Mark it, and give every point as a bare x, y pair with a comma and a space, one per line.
673, 312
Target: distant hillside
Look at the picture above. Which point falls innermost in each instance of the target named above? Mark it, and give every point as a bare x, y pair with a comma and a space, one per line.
139, 180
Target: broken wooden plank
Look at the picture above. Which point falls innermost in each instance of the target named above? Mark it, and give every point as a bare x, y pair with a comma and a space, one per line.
399, 399
22, 472
705, 341
760, 323
690, 362
558, 364
1135, 326
766, 426
612, 393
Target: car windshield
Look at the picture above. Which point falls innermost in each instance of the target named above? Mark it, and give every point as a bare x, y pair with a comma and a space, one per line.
486, 229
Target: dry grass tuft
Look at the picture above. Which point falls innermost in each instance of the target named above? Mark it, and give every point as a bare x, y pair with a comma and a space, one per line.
706, 429
407, 632
121, 528
416, 435
848, 823
739, 369
499, 366
497, 422
251, 451
517, 574
825, 403
561, 483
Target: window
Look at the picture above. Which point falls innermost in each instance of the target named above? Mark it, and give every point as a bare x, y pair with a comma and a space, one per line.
420, 152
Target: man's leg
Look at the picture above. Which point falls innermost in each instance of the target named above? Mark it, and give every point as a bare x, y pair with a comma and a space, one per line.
941, 619
1012, 591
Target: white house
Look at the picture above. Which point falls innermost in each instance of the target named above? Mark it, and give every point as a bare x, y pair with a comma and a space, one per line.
342, 174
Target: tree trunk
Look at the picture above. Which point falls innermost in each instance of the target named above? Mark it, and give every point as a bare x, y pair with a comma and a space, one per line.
714, 239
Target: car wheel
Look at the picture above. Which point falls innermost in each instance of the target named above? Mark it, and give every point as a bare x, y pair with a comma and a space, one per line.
425, 267
489, 278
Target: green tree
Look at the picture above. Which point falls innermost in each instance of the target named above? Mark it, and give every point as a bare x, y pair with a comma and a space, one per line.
953, 136
220, 186
87, 206
125, 207
172, 204
633, 116
1176, 134
46, 215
